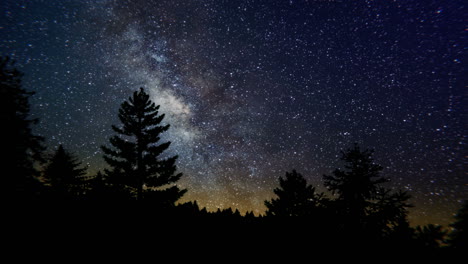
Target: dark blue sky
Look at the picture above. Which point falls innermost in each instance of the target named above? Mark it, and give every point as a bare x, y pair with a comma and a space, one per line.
256, 88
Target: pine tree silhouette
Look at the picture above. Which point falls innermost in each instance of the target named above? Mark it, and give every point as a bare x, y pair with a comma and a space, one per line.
135, 154
364, 207
250, 215
430, 236
189, 209
356, 185
459, 237
97, 187
295, 197
21, 149
236, 213
64, 175
388, 212
203, 211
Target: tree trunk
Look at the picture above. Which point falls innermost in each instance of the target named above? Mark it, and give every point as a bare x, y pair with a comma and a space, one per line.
140, 169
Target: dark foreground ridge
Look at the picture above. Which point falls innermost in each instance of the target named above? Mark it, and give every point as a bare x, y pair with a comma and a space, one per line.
185, 223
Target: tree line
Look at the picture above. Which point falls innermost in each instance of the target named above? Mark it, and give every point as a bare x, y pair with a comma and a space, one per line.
140, 176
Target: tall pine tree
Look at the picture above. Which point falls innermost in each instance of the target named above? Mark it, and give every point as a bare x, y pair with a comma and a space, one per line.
21, 149
135, 155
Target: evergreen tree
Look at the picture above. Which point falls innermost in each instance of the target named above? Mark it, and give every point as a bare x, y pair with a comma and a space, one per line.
165, 198
64, 175
189, 209
21, 149
135, 155
356, 185
430, 236
295, 197
459, 237
250, 215
362, 202
237, 213
99, 189
97, 186
227, 213
203, 211
388, 212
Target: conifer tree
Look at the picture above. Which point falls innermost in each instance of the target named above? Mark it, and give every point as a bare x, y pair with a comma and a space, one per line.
249, 215
99, 189
295, 197
362, 202
96, 187
430, 236
21, 149
357, 184
135, 155
64, 175
459, 237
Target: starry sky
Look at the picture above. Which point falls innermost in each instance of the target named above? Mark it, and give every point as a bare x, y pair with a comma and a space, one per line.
255, 88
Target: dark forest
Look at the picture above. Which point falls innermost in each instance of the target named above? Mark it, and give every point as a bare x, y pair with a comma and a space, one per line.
140, 183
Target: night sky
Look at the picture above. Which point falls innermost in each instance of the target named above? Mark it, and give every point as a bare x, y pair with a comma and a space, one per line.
253, 89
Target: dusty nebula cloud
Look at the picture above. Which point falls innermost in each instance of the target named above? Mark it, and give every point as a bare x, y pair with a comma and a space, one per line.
256, 88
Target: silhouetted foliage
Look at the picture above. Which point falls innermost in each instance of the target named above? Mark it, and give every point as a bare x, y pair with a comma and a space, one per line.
459, 236
295, 197
362, 203
99, 189
356, 185
430, 236
250, 215
203, 211
96, 187
21, 149
388, 212
164, 198
135, 154
64, 176
191, 209
400, 236
363, 215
